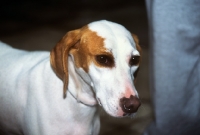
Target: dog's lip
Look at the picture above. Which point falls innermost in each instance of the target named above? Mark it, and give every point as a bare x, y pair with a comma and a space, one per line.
99, 101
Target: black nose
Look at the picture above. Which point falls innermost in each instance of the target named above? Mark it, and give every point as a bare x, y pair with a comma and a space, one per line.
130, 105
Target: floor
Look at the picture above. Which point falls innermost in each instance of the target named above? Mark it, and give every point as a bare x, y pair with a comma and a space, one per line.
35, 26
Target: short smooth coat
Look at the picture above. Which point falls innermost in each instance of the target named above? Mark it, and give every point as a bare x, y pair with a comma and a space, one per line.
31, 87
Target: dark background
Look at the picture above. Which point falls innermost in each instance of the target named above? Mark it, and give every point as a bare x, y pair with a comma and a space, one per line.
22, 15
38, 25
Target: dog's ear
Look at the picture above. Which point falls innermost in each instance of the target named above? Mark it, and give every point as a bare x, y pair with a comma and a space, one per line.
135, 37
59, 56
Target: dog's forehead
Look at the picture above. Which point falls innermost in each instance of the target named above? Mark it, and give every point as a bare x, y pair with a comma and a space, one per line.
116, 37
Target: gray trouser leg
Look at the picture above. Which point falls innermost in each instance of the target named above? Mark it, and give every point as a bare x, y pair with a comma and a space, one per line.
175, 66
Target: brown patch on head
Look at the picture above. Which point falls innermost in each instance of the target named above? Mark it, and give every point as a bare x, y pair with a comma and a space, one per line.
89, 45
83, 44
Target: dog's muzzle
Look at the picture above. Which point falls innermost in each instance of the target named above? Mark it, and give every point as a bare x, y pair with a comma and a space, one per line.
129, 105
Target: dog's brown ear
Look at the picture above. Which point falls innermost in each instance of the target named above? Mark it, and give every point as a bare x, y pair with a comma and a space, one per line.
59, 56
135, 37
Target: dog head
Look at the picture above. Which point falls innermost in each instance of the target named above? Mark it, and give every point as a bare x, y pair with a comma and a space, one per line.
106, 56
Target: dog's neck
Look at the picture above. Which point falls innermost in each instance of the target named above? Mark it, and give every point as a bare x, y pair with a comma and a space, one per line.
84, 112
79, 101
80, 85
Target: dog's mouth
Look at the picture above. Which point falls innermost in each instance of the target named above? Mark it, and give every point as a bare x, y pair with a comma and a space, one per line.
127, 107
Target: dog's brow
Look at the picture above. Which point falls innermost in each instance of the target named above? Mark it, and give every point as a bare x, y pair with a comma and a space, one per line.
106, 53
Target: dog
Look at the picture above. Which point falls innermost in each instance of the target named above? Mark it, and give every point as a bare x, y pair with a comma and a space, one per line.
57, 92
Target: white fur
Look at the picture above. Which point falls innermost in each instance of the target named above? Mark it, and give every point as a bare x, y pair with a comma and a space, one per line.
31, 99
31, 96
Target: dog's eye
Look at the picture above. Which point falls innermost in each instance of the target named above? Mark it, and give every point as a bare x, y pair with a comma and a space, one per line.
134, 60
105, 60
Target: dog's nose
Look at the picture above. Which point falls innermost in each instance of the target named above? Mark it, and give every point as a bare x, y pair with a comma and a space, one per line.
130, 105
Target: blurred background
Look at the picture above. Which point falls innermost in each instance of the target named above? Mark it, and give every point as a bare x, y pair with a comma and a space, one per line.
39, 25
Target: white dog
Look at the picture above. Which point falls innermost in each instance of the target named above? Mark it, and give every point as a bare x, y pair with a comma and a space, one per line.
96, 64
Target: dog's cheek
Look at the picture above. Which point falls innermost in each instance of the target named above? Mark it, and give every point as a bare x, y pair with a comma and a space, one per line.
98, 81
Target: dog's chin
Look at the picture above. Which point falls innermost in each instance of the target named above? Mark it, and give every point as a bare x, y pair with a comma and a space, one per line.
114, 113
121, 115
129, 115
118, 114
